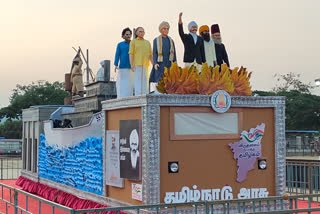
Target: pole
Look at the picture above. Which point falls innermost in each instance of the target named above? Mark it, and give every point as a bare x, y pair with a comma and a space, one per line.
15, 202
106, 76
88, 69
74, 49
83, 55
87, 66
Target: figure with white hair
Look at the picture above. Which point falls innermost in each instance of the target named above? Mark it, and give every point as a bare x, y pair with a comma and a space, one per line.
164, 53
100, 72
222, 55
125, 76
194, 53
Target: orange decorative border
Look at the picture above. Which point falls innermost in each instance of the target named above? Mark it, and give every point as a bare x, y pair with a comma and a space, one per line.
174, 110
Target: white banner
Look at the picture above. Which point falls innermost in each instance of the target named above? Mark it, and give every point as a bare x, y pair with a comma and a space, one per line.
113, 159
205, 123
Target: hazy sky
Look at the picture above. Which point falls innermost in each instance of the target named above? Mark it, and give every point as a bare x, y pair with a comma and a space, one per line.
267, 37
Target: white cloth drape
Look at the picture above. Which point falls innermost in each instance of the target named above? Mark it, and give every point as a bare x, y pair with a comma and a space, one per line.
124, 83
141, 81
210, 52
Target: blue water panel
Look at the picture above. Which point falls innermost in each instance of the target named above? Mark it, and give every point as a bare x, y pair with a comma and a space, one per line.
79, 165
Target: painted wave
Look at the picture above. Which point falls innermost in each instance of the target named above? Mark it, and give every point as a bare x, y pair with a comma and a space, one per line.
79, 165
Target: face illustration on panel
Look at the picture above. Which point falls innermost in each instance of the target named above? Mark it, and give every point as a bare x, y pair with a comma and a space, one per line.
134, 141
134, 148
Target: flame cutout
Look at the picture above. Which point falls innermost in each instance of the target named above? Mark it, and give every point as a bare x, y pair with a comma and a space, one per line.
241, 82
187, 80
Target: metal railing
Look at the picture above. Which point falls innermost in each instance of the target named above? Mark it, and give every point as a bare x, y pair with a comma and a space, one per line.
10, 158
305, 149
303, 177
261, 205
17, 201
10, 204
10, 166
303, 180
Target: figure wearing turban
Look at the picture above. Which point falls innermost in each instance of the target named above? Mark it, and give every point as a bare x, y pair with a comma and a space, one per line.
124, 82
76, 76
164, 53
193, 44
221, 53
209, 47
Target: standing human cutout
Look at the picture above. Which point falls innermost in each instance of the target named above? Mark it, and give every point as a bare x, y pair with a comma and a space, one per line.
76, 76
209, 47
140, 54
164, 53
221, 53
193, 45
125, 75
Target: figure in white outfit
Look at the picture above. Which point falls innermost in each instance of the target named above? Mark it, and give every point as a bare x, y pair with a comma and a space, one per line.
209, 47
100, 72
125, 76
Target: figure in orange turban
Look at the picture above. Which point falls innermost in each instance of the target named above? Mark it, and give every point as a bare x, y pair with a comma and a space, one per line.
209, 47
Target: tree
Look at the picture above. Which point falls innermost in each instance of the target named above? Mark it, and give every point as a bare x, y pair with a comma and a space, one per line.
291, 81
11, 129
36, 93
302, 107
302, 110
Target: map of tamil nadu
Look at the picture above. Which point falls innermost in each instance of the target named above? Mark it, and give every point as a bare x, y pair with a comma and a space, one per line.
247, 150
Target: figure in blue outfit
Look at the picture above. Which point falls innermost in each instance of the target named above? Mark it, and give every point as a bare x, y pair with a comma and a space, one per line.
125, 76
164, 53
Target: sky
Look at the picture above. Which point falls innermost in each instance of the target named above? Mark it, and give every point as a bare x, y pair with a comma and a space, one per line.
266, 37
